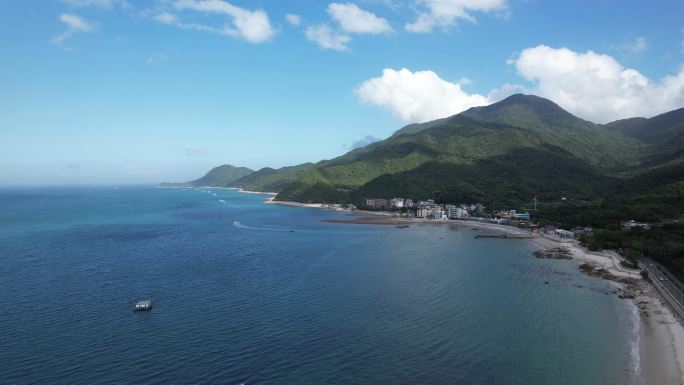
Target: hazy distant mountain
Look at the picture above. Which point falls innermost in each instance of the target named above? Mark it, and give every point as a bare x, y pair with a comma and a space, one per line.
271, 180
221, 176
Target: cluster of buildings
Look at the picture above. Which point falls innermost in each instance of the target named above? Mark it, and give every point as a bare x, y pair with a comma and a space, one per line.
512, 215
426, 209
430, 210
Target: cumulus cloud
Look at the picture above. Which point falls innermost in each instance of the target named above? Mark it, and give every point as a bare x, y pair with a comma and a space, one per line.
293, 19
252, 26
597, 87
353, 19
74, 24
326, 38
590, 85
417, 96
445, 13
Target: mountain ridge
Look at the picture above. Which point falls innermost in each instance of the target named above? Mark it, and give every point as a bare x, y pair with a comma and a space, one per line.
494, 152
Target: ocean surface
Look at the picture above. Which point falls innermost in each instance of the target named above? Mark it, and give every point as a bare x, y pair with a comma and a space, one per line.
285, 298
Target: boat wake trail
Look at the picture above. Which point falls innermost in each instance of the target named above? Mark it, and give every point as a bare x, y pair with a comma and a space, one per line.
276, 229
240, 225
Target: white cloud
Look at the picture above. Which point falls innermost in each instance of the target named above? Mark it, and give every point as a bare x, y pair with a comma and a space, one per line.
445, 13
104, 4
353, 19
505, 91
252, 26
166, 18
639, 45
635, 47
590, 85
74, 24
293, 19
597, 87
326, 38
417, 96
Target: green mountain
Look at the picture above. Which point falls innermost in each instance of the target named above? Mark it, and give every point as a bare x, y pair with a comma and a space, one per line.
654, 130
271, 180
503, 136
221, 176
503, 155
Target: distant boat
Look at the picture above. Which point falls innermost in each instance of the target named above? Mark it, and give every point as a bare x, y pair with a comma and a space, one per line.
402, 226
236, 222
143, 305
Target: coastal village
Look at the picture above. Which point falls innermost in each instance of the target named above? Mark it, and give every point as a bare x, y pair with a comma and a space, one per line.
428, 209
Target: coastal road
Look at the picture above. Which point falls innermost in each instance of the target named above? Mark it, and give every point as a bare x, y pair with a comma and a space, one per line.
666, 283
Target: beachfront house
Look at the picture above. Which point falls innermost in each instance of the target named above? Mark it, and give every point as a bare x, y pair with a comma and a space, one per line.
454, 212
565, 234
423, 212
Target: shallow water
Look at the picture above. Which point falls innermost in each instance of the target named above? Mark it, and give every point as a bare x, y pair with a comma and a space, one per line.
285, 298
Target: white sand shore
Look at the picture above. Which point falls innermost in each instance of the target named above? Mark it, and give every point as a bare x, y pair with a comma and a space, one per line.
253, 192
661, 334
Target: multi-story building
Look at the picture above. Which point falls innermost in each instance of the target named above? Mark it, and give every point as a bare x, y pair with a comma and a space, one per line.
423, 212
397, 203
456, 212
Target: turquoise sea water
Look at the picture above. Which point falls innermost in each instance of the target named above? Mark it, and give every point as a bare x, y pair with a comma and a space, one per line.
285, 298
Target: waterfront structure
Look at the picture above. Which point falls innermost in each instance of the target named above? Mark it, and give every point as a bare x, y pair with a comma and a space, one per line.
423, 212
565, 234
454, 212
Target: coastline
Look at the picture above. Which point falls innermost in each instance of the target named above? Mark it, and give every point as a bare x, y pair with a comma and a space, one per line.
658, 345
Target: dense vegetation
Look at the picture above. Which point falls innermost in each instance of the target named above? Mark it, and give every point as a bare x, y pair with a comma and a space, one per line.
220, 176
663, 243
271, 180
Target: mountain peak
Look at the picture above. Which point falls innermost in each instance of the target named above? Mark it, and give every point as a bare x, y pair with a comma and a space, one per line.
220, 176
527, 111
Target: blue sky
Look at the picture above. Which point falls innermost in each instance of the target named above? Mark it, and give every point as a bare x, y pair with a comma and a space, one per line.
113, 91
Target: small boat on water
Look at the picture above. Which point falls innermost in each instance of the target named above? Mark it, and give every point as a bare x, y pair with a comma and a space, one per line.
402, 226
143, 305
236, 222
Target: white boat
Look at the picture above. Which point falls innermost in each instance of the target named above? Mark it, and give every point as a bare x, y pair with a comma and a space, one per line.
143, 305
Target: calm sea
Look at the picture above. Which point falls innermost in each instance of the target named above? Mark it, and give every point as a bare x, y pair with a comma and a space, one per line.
285, 298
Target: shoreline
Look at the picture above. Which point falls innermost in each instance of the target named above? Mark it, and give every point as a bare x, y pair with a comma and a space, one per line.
238, 189
658, 342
